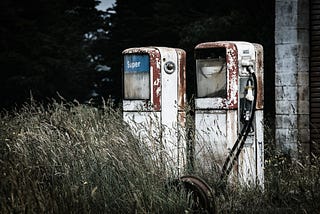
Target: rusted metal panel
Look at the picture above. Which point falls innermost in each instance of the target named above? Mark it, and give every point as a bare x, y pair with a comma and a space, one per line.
181, 120
182, 97
231, 102
182, 79
259, 73
155, 68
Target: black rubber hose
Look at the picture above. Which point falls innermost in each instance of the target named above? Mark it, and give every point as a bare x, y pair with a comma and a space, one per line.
228, 164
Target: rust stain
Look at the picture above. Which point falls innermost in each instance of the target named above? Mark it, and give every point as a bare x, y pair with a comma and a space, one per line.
155, 70
259, 74
182, 118
156, 79
181, 79
231, 102
232, 86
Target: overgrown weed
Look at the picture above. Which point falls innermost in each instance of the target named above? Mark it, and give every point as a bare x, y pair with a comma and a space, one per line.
77, 159
71, 158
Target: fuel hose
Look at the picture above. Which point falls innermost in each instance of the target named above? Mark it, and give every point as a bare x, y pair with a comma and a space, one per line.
203, 200
237, 147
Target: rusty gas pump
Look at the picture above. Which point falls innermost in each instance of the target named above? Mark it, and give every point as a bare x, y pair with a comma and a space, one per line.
228, 110
228, 117
229, 99
154, 101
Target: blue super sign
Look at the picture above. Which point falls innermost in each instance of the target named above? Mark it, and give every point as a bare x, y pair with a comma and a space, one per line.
136, 63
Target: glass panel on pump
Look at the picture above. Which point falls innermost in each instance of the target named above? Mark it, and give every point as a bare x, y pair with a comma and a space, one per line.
136, 76
211, 71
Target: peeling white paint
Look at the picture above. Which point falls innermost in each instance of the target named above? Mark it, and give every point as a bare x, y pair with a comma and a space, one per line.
217, 120
161, 126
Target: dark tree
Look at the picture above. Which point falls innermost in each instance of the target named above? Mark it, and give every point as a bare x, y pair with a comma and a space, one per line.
43, 49
128, 24
50, 46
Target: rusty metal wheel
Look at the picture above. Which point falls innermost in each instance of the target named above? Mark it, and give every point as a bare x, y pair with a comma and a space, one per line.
200, 197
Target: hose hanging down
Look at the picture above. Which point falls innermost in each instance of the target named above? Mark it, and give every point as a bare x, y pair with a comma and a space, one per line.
202, 194
237, 147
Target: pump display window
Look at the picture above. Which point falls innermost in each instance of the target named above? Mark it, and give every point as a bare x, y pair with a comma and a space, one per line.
211, 77
136, 76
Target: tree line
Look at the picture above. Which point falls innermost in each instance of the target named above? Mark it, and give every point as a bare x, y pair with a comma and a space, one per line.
71, 49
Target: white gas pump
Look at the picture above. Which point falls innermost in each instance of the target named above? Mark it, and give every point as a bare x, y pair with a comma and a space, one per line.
154, 101
229, 109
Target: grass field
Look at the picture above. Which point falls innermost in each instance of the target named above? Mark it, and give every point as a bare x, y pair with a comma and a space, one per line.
71, 158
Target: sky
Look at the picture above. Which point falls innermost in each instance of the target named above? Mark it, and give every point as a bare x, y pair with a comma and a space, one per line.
105, 4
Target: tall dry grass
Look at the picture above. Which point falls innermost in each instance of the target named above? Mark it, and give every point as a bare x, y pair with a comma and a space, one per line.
71, 158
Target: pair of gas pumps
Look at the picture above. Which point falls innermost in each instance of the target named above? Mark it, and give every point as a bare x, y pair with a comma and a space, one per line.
228, 106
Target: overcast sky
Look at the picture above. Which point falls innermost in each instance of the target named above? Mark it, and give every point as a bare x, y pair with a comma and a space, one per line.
105, 4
